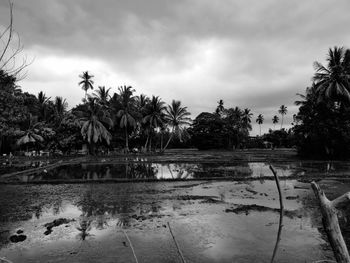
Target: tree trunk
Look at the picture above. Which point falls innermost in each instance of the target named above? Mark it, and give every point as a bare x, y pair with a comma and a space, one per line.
260, 129
331, 224
1, 143
145, 147
282, 122
150, 144
92, 148
166, 145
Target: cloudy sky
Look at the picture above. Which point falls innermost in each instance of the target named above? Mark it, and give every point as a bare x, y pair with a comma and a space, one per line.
252, 53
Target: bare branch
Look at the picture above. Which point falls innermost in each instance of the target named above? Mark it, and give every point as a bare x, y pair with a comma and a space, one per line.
10, 32
13, 47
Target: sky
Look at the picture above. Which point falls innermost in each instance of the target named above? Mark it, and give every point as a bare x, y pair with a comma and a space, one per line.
252, 54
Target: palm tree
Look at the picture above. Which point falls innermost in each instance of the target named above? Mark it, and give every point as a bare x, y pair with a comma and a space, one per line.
154, 116
275, 120
94, 121
142, 101
60, 107
260, 120
102, 95
333, 81
246, 118
42, 105
127, 114
283, 111
32, 134
86, 82
220, 108
176, 117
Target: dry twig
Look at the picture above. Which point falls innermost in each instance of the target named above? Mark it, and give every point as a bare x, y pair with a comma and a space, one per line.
177, 245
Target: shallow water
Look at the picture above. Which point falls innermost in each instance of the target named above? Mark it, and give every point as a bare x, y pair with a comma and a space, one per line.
212, 221
143, 170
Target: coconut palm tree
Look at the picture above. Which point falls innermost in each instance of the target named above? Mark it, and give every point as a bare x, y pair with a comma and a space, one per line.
102, 95
43, 105
275, 120
333, 81
32, 134
246, 118
283, 111
176, 117
142, 101
154, 116
127, 113
60, 108
94, 121
260, 120
86, 82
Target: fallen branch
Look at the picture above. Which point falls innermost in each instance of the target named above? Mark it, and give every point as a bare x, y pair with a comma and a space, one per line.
331, 224
280, 224
177, 245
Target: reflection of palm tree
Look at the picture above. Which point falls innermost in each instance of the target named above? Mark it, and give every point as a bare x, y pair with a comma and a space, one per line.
57, 207
84, 228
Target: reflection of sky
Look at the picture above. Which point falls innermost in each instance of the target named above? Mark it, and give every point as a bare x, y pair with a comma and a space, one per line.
174, 171
263, 169
148, 170
203, 227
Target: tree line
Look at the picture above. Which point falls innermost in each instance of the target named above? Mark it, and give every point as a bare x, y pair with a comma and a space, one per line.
103, 120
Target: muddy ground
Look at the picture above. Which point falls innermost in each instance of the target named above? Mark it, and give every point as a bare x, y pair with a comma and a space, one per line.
211, 220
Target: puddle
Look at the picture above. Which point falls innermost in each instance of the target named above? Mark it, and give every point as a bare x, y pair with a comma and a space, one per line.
212, 221
142, 170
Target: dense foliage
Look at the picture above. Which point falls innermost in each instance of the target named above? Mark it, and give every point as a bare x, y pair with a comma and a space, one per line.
223, 129
101, 121
323, 121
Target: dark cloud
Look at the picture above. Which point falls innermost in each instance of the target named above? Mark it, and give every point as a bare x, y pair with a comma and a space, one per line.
251, 53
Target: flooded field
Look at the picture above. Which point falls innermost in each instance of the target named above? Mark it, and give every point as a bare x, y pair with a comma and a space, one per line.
212, 220
144, 170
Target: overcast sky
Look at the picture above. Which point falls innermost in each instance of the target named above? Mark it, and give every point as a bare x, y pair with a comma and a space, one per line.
255, 54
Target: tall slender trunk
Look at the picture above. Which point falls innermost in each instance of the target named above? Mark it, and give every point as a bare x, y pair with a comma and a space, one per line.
282, 121
161, 141
260, 129
150, 143
171, 136
145, 147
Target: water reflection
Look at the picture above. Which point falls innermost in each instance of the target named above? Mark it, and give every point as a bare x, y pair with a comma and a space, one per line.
142, 170
97, 209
